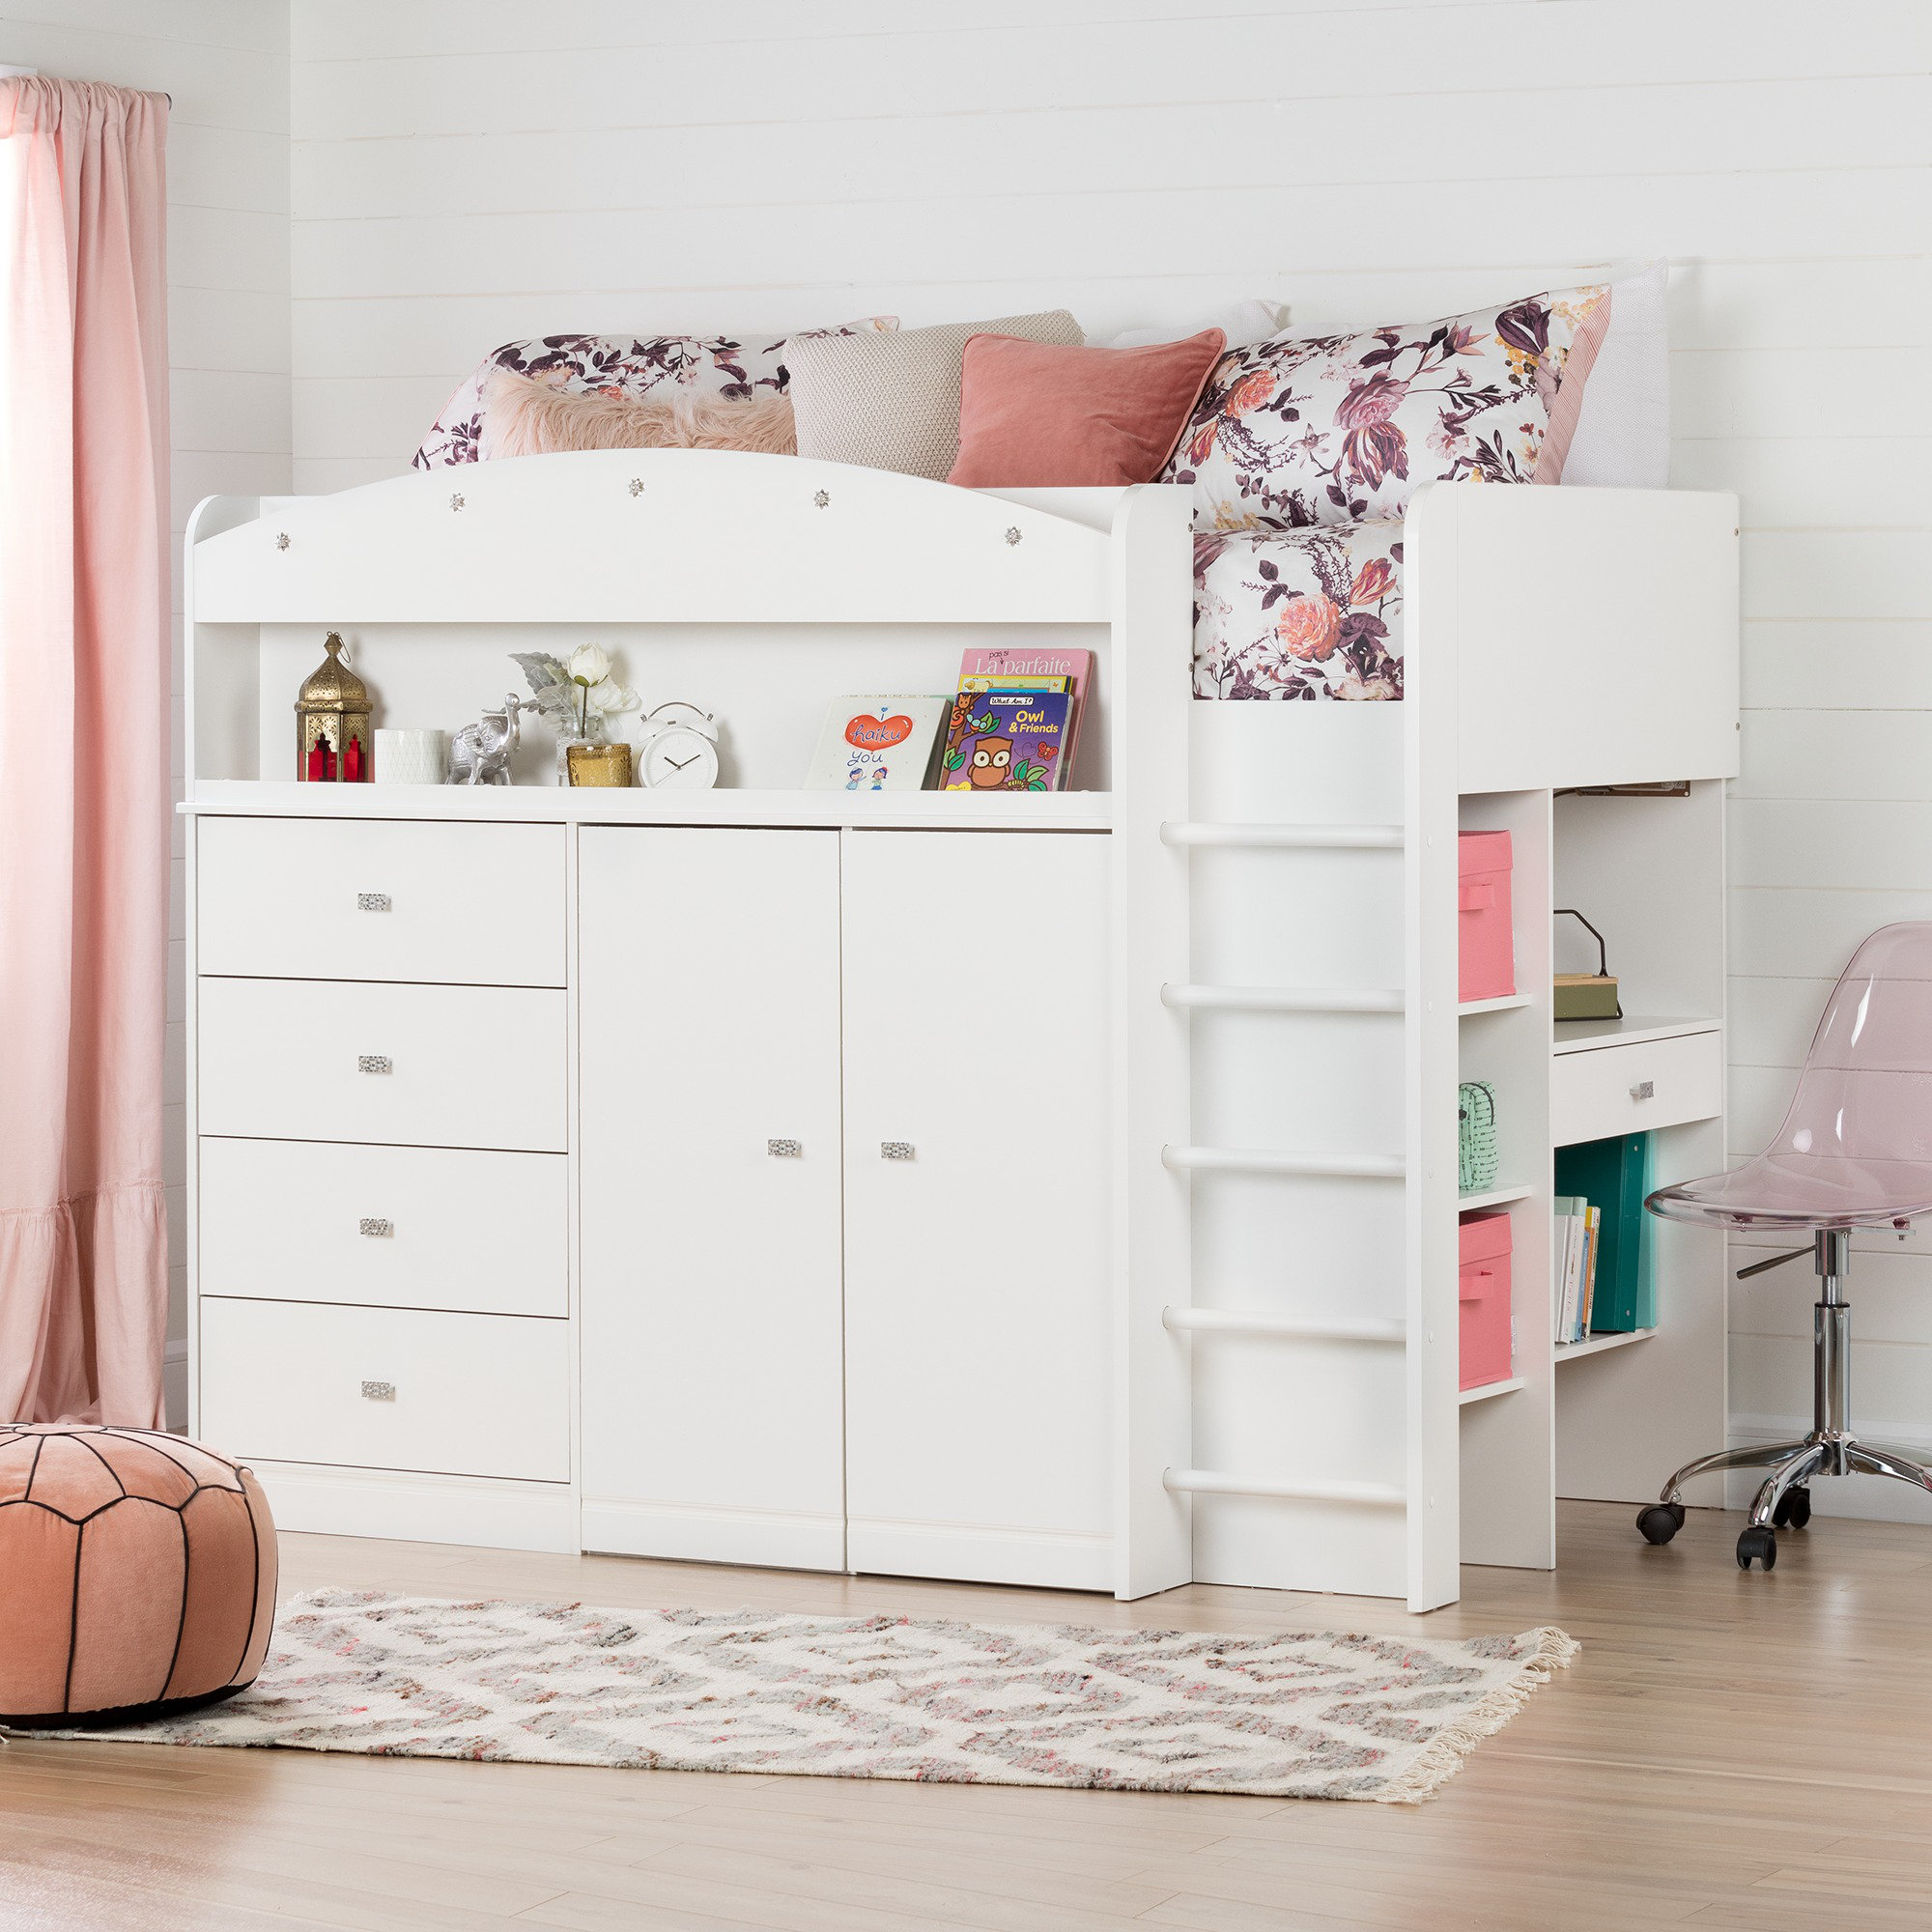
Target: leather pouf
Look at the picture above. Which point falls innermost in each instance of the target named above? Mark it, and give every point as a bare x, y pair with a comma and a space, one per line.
138, 1575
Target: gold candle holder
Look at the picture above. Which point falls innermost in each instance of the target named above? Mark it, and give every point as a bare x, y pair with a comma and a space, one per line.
600, 764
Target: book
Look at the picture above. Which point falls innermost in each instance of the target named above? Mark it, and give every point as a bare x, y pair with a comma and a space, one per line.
1014, 668
1567, 1244
1007, 741
1593, 1223
1615, 1173
878, 742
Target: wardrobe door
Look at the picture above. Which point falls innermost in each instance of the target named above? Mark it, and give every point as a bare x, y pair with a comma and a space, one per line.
708, 1047
977, 1244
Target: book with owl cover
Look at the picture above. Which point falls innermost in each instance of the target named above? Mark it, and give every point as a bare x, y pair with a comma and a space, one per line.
1007, 741
877, 742
1012, 669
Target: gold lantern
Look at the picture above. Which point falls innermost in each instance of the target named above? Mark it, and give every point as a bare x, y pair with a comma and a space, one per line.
332, 741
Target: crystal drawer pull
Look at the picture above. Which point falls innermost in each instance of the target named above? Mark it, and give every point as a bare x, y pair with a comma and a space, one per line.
372, 1225
372, 901
1644, 1089
784, 1149
896, 1149
378, 1391
374, 1062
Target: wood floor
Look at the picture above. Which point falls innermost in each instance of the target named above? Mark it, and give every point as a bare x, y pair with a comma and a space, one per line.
1730, 1750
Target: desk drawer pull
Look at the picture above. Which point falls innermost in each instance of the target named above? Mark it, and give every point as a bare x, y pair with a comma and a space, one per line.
1644, 1089
372, 901
374, 1062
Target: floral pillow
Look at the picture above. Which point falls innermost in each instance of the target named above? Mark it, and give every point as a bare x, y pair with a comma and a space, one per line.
1313, 614
1340, 429
618, 365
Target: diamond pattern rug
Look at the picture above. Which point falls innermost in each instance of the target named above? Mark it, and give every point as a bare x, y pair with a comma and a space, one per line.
1292, 1714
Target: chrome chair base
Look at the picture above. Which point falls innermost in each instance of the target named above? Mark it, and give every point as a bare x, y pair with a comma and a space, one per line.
1784, 1501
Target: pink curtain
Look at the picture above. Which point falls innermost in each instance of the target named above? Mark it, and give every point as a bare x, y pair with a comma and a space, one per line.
83, 751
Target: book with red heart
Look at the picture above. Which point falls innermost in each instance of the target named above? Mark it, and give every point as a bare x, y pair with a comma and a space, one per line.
877, 742
1020, 668
1007, 741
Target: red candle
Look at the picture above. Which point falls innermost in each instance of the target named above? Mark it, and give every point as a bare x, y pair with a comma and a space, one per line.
318, 759
352, 760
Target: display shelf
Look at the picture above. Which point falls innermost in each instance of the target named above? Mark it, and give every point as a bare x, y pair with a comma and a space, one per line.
1483, 1390
1492, 1197
932, 810
1508, 1002
1595, 1344
1582, 1036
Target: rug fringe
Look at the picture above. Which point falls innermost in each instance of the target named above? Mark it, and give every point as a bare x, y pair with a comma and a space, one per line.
1441, 1758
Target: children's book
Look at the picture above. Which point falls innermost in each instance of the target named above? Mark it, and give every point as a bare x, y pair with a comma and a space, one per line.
878, 743
1014, 669
1007, 741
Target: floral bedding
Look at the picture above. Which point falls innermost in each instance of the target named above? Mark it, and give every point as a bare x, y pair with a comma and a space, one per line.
1340, 429
617, 366
1306, 613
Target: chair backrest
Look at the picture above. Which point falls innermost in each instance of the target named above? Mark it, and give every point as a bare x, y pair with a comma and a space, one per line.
1865, 1091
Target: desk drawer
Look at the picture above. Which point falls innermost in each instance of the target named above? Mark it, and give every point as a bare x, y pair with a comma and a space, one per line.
1600, 1092
315, 1060
385, 1227
466, 1395
381, 900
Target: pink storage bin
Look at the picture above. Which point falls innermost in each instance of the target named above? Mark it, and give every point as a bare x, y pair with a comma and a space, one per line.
1483, 1294
1486, 944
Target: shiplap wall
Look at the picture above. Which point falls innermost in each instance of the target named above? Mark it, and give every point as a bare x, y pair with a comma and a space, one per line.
466, 170
226, 63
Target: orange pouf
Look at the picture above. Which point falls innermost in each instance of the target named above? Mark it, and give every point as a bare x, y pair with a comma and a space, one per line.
138, 1575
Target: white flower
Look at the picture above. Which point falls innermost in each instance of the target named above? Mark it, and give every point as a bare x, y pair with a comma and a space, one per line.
589, 664
607, 695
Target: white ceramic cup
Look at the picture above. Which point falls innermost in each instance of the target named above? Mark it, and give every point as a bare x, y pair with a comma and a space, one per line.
405, 757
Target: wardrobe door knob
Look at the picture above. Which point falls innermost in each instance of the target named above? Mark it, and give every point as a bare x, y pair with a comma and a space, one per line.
372, 1224
895, 1150
374, 1062
378, 1391
784, 1149
372, 901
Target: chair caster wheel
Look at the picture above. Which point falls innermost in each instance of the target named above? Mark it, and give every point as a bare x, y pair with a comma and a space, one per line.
1661, 1522
1794, 1509
1759, 1544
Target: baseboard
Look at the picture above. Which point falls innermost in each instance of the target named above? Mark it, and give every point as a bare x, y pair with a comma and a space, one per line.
420, 1509
1873, 1499
778, 1539
968, 1554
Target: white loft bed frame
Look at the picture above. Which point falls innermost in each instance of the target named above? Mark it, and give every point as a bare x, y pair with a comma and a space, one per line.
1283, 1011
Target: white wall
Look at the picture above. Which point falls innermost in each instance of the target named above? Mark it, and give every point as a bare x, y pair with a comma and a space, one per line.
466, 170
226, 63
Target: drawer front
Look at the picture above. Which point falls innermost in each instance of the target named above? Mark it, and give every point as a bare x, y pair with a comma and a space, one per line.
311, 1060
381, 900
466, 1395
1599, 1093
404, 1227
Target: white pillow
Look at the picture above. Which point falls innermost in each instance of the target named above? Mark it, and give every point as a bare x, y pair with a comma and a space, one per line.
1623, 430
1241, 322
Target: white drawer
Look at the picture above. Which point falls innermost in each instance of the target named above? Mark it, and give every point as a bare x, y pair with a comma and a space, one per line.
385, 1227
1602, 1091
469, 1395
480, 1066
381, 900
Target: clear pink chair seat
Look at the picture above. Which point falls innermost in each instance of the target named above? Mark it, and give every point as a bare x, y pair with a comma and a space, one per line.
1855, 1150
1856, 1147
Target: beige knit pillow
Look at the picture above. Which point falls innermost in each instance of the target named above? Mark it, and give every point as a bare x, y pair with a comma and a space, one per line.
526, 418
892, 402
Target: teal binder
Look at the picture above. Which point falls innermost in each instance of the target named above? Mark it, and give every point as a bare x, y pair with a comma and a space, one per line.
1614, 1175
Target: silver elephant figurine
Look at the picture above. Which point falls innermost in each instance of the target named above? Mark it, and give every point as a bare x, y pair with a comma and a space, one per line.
480, 753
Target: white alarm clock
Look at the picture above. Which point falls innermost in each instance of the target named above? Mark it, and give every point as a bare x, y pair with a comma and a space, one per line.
678, 753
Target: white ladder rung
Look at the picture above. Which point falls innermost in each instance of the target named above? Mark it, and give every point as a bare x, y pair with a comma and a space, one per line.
1217, 1483
1304, 1327
1281, 999
1307, 837
1282, 1161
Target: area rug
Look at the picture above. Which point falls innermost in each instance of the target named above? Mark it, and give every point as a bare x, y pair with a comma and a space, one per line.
1292, 1715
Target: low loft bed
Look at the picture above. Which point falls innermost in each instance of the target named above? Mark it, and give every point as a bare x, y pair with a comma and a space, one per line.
1231, 1355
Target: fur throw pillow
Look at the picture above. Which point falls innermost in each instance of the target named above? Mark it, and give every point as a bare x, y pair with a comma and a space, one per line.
526, 418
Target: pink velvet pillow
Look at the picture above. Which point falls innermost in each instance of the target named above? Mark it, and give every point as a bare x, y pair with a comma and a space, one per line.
1036, 414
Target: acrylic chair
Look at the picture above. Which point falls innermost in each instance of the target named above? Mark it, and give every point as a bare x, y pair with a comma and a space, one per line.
1855, 1151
